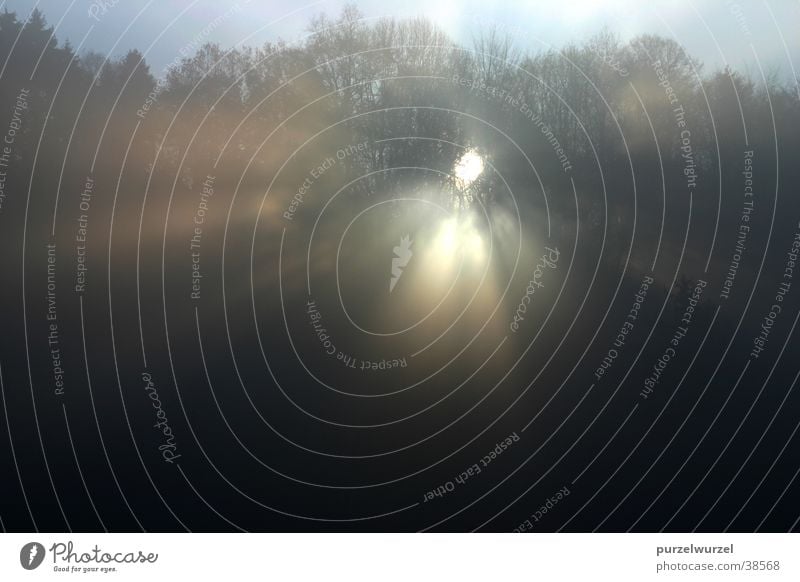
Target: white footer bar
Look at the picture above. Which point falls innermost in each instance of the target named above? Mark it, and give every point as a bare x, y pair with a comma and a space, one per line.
400, 557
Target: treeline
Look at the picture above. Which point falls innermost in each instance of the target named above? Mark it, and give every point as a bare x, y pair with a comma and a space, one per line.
603, 113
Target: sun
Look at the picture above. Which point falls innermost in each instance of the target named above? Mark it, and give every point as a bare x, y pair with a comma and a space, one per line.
468, 168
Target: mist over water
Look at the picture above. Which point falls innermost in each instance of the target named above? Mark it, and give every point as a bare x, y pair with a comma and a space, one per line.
312, 285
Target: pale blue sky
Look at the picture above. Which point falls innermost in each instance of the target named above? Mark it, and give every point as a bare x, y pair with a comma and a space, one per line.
716, 31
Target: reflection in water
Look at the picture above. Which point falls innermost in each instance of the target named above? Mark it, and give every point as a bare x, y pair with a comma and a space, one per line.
378, 303
457, 239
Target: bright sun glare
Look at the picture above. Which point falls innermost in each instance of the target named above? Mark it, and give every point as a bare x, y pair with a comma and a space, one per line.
468, 168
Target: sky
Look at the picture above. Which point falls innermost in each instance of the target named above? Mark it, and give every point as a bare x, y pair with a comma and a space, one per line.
749, 36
